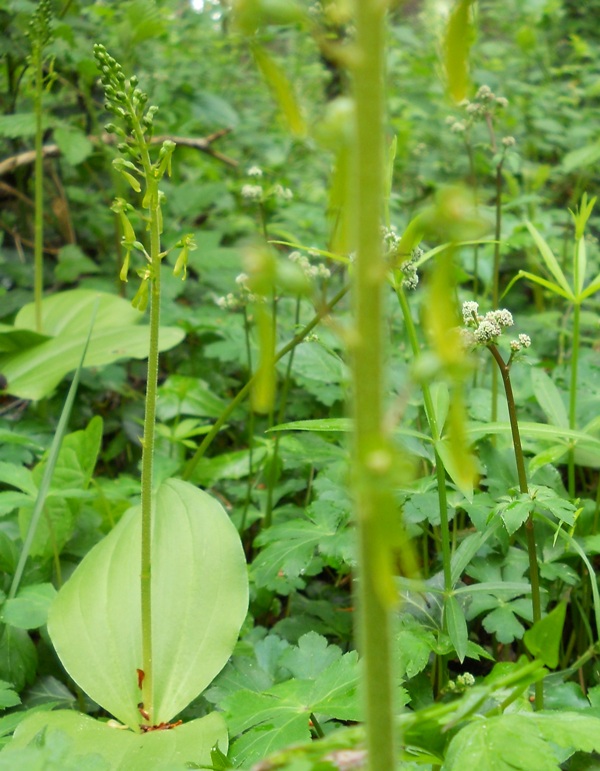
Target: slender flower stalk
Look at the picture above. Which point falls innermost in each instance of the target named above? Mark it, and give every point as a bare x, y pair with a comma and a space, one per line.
485, 330
128, 103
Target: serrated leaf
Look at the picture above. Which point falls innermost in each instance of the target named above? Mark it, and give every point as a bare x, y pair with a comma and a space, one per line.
29, 609
199, 594
291, 546
20, 124
544, 638
73, 470
456, 626
310, 657
280, 716
8, 696
413, 648
515, 513
18, 657
505, 743
521, 742
504, 624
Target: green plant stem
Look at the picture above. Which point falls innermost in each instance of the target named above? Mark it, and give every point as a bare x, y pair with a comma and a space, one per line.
38, 270
435, 435
573, 394
287, 382
496, 274
245, 390
374, 501
152, 197
534, 577
250, 426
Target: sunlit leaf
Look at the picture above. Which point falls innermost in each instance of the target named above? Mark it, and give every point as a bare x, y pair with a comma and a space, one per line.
199, 594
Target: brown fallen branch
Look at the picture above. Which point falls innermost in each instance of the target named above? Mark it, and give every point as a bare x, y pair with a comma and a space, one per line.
52, 151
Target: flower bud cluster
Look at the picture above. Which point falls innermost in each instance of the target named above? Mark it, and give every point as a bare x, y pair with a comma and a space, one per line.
391, 242
486, 104
461, 683
40, 32
484, 329
258, 192
410, 278
523, 341
123, 97
233, 301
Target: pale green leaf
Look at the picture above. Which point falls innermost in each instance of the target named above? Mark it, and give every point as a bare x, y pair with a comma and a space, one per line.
34, 373
200, 596
281, 90
505, 743
18, 125
540, 282
70, 472
549, 398
121, 749
459, 37
582, 156
591, 288
551, 261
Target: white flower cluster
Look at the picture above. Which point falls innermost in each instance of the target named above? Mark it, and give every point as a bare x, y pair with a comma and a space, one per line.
233, 302
410, 279
283, 192
228, 302
254, 171
390, 240
484, 329
486, 102
523, 341
305, 265
252, 192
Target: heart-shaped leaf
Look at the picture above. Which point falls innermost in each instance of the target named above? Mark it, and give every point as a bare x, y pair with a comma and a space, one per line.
199, 601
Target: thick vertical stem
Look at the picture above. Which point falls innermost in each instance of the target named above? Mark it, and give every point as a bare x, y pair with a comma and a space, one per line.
534, 577
573, 395
373, 502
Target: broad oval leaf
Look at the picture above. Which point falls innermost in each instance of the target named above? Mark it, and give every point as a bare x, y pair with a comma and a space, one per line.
186, 744
199, 601
34, 372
